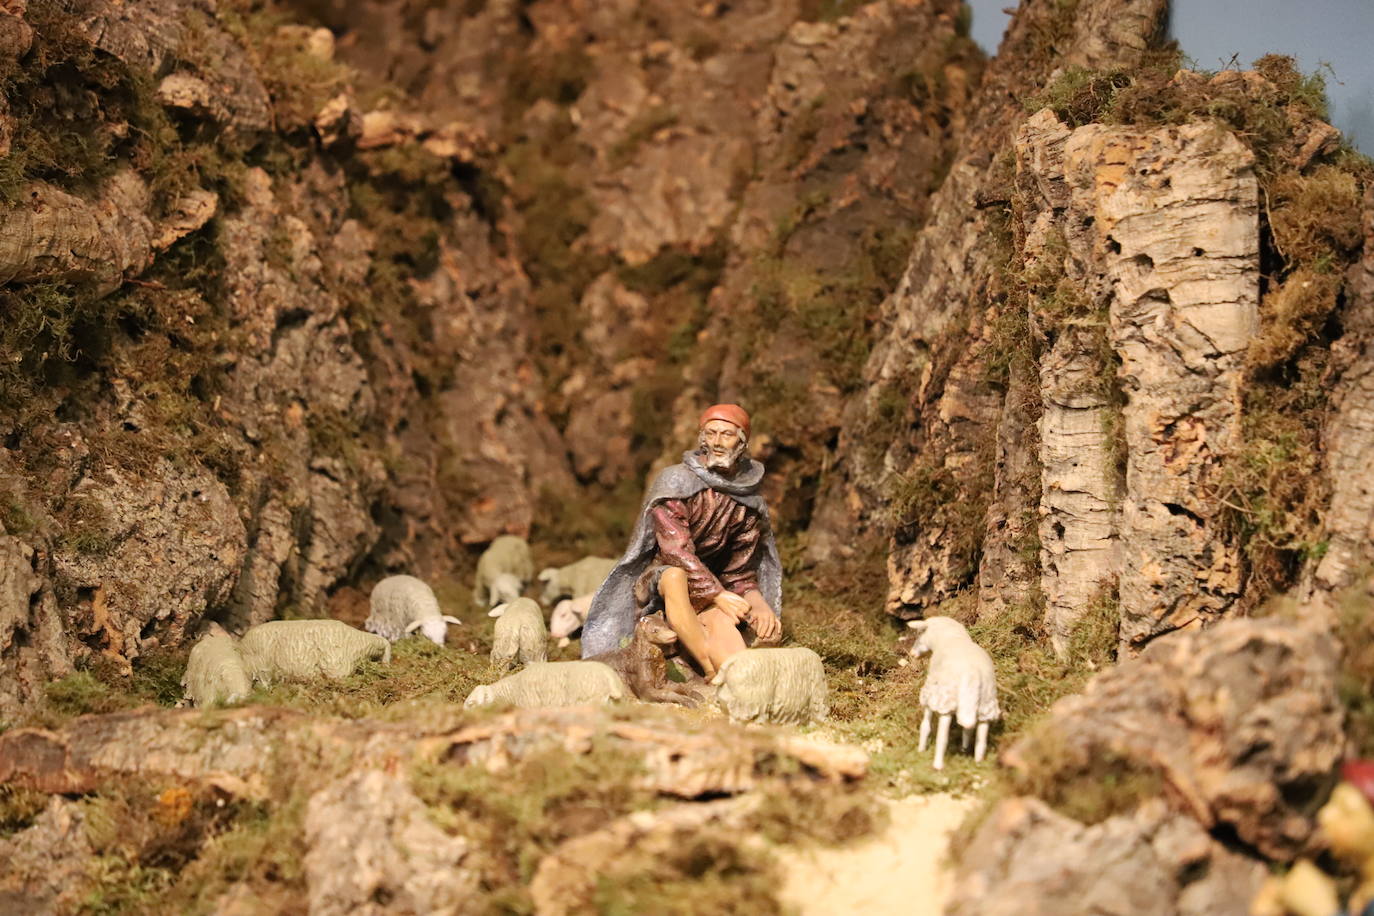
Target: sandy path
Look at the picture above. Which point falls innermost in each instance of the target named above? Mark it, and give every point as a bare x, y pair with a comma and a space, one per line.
900, 871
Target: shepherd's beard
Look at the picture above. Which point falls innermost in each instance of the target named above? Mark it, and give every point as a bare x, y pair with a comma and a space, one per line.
723, 462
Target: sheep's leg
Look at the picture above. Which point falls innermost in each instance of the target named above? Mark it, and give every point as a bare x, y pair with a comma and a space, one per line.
942, 739
965, 739
925, 732
981, 748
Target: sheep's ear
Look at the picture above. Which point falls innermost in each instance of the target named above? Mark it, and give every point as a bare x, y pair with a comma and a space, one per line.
918, 625
548, 574
413, 626
498, 610
454, 620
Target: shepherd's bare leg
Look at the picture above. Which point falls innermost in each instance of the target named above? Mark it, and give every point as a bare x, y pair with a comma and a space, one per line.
981, 748
925, 732
677, 607
723, 636
941, 740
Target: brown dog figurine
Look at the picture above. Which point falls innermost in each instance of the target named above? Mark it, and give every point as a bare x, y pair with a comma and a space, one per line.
642, 666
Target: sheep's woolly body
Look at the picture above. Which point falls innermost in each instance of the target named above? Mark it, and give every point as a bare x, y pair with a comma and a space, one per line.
786, 686
215, 672
506, 563
576, 579
961, 679
308, 648
401, 604
552, 684
519, 632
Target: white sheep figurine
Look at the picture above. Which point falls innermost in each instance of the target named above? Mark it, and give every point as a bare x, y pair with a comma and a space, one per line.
786, 686
215, 673
568, 616
519, 631
576, 579
552, 684
503, 571
308, 648
961, 684
403, 604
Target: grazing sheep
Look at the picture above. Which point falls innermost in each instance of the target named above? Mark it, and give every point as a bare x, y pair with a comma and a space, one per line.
552, 684
308, 648
961, 683
503, 571
215, 673
403, 604
786, 686
576, 579
643, 668
519, 632
568, 616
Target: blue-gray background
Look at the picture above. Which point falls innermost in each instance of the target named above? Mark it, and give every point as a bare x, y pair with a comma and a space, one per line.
1316, 32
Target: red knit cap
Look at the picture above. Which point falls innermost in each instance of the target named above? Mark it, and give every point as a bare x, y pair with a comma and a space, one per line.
730, 413
1360, 774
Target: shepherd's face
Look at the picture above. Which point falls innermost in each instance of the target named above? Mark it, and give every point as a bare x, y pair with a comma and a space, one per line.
721, 443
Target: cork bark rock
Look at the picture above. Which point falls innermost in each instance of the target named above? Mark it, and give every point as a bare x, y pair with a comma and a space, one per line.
372, 849
1255, 717
1176, 210
949, 286
1255, 726
1029, 860
1349, 436
336, 440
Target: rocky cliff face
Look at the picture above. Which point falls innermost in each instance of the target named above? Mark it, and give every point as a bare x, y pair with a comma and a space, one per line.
244, 357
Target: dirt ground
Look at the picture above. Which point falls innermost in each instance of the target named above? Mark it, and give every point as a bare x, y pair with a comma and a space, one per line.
900, 871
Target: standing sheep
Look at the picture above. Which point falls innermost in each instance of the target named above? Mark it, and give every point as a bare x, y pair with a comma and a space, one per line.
503, 571
552, 684
519, 632
403, 604
568, 616
576, 579
215, 673
308, 648
961, 683
786, 686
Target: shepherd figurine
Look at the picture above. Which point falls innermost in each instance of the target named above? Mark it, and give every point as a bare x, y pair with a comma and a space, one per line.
703, 552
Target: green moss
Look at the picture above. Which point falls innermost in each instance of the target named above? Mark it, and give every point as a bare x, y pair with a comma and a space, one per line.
517, 816
298, 82
422, 678
81, 693
19, 808
700, 875
1088, 787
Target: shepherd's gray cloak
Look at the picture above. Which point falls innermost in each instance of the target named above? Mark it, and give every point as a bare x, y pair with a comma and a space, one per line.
614, 609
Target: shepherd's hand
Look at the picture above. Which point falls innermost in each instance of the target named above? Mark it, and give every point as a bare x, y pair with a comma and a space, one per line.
732, 605
766, 624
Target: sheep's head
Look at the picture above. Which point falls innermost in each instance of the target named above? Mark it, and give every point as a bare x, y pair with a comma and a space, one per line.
435, 629
481, 696
934, 632
565, 619
549, 577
